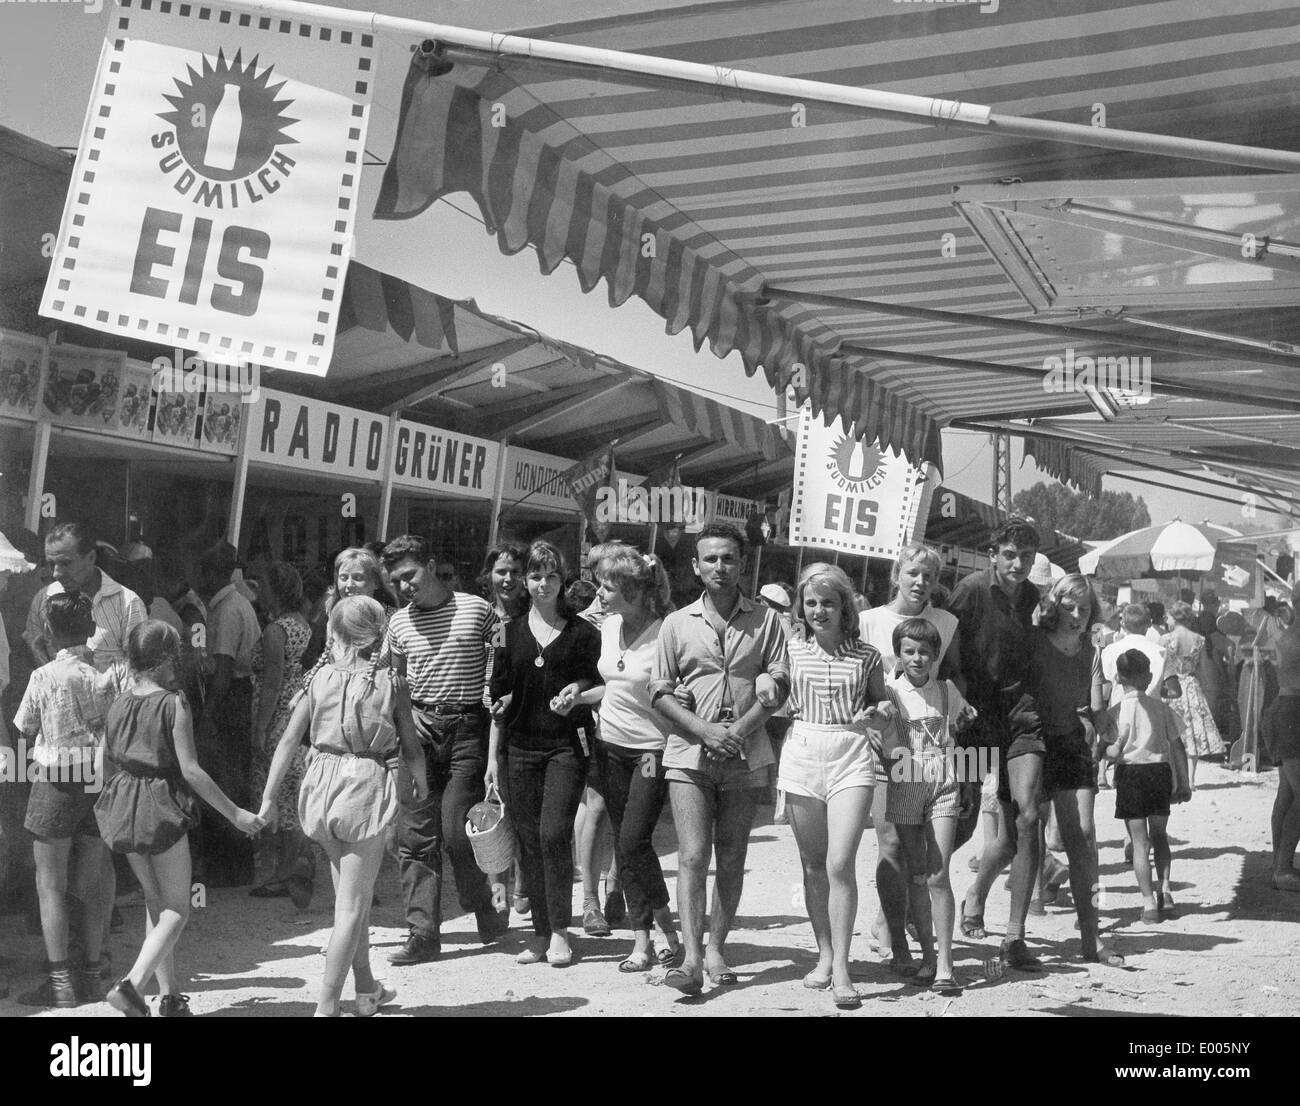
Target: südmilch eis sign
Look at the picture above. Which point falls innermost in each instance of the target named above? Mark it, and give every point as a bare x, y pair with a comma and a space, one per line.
215, 187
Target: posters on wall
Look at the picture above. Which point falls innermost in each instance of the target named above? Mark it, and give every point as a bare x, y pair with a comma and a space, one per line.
96, 389
215, 187
853, 496
21, 358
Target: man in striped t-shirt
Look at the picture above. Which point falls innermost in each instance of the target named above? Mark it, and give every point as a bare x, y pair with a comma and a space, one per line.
440, 643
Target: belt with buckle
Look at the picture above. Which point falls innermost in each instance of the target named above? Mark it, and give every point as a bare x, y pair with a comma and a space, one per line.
447, 708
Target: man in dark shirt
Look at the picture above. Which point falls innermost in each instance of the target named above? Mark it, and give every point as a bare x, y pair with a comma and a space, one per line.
994, 612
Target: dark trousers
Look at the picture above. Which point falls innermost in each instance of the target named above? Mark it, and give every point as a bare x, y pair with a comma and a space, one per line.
455, 754
226, 754
635, 790
545, 790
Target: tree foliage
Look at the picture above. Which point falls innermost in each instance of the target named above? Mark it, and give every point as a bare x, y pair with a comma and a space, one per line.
1056, 507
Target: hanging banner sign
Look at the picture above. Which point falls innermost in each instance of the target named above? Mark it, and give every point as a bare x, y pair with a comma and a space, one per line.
214, 192
21, 356
855, 497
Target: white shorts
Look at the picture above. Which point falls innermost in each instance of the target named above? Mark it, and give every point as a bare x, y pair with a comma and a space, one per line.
820, 761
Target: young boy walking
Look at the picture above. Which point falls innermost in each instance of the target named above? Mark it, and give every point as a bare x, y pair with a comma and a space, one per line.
924, 791
63, 710
1150, 772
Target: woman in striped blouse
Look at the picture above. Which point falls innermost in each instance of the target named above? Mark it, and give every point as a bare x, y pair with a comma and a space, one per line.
827, 765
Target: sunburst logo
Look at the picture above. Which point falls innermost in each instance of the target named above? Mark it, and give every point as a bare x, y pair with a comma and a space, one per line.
856, 462
228, 122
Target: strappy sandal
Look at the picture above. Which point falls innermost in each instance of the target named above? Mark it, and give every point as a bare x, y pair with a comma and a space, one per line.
945, 985
634, 964
972, 926
671, 956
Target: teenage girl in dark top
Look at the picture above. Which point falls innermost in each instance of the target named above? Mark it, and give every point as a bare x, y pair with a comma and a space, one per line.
1065, 677
547, 660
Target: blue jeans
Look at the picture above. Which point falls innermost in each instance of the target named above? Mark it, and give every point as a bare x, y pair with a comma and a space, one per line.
455, 753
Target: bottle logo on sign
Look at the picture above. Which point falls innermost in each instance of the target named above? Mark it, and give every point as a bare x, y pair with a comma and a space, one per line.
228, 125
856, 466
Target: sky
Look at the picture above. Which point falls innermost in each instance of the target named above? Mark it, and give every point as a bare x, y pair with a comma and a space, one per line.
48, 54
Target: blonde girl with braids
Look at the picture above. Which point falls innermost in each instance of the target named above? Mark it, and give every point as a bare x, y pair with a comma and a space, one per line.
357, 713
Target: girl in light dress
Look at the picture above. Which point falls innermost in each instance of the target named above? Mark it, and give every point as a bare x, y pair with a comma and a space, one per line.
358, 715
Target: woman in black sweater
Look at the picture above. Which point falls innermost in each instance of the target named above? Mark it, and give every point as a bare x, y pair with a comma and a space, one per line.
548, 659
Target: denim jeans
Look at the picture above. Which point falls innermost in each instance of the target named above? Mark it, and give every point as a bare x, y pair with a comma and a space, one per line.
635, 791
455, 752
545, 790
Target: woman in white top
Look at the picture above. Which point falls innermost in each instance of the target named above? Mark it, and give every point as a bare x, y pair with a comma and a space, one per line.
914, 577
630, 747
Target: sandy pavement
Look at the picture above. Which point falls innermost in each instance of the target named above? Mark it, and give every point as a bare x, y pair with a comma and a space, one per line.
1233, 950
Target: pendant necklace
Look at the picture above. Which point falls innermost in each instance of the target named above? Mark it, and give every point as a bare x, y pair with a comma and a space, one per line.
540, 662
622, 635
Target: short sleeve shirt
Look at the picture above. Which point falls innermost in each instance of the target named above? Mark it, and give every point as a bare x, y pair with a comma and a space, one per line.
718, 671
444, 650
66, 704
922, 727
233, 630
116, 610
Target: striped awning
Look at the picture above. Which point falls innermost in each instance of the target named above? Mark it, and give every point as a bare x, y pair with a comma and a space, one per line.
712, 421
697, 203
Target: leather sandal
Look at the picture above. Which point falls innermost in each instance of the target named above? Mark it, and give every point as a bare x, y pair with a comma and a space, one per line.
1015, 954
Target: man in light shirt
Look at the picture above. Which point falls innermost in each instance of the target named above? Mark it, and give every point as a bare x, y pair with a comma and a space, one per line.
70, 554
1135, 621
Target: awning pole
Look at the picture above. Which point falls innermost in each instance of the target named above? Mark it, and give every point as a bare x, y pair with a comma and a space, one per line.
386, 490
240, 484
1202, 344
498, 492
36, 483
724, 81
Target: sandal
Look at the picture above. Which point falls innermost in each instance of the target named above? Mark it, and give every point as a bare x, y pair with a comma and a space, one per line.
634, 964
681, 980
721, 977
672, 956
1107, 956
1015, 954
945, 985
972, 925
846, 998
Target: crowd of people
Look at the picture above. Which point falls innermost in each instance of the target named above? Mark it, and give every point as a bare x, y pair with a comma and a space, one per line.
387, 704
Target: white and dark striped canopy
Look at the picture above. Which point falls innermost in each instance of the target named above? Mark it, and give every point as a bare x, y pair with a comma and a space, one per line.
738, 198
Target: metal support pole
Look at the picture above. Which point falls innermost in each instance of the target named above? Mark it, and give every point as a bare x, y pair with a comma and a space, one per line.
36, 483
498, 491
240, 485
386, 489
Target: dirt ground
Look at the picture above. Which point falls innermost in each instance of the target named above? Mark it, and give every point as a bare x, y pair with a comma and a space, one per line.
1232, 951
